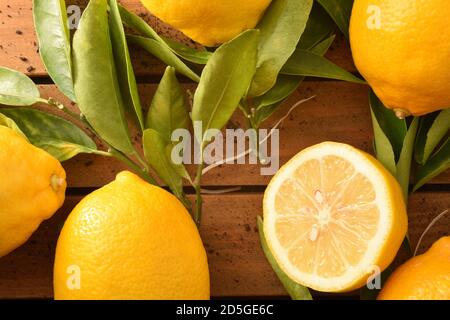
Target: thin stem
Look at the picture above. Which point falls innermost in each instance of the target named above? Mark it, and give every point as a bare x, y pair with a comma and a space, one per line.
142, 161
244, 111
272, 130
60, 106
198, 195
432, 223
144, 172
220, 191
122, 157
245, 105
103, 153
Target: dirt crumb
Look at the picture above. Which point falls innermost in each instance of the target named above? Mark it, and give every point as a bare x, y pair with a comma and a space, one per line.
89, 163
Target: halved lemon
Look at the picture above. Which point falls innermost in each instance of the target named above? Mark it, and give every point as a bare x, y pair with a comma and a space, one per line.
333, 215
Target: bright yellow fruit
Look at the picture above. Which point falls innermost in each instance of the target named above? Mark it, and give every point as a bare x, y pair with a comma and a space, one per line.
332, 216
130, 240
425, 277
32, 187
402, 48
209, 22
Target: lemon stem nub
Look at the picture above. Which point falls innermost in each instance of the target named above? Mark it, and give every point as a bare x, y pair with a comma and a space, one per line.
401, 114
56, 182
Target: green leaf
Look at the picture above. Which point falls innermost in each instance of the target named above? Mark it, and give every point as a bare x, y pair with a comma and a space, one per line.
9, 123
319, 27
406, 156
16, 89
309, 64
138, 24
268, 103
281, 28
156, 154
63, 150
394, 128
161, 52
50, 22
125, 72
96, 84
225, 80
393, 140
340, 11
57, 136
271, 100
322, 47
439, 163
168, 111
192, 55
180, 169
383, 147
433, 129
155, 44
286, 85
295, 290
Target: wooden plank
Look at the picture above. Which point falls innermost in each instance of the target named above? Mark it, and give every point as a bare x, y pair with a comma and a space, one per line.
19, 48
339, 112
237, 265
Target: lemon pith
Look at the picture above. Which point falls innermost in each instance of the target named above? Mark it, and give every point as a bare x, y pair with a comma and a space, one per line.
209, 22
331, 215
131, 240
26, 191
402, 48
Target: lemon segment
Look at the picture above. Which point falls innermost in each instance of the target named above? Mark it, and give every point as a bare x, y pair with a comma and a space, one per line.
333, 215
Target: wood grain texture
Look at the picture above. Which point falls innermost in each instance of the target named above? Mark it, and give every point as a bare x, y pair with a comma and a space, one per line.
237, 265
19, 48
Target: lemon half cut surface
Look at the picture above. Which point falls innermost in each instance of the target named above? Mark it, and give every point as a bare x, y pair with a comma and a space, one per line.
333, 215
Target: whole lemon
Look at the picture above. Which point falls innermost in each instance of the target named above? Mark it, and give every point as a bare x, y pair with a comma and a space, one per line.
209, 22
130, 240
32, 187
425, 277
402, 48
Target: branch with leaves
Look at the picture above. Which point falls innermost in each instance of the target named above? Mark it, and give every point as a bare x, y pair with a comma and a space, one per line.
249, 73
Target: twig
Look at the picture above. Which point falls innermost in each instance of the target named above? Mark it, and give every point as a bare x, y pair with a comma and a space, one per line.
198, 195
220, 191
122, 157
60, 106
141, 161
243, 154
428, 228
